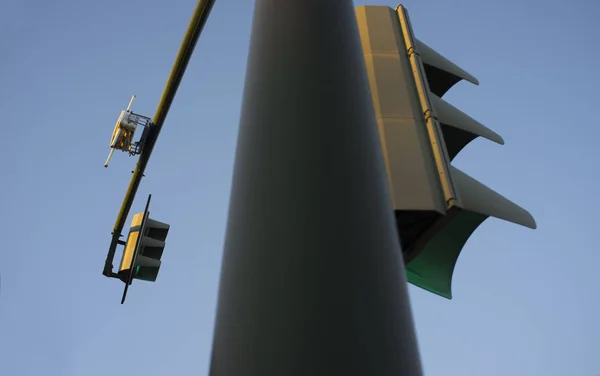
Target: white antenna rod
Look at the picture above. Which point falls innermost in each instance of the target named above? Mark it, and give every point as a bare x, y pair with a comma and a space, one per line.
109, 157
130, 102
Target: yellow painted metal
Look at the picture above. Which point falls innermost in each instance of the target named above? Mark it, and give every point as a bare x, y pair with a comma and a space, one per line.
134, 233
199, 19
434, 129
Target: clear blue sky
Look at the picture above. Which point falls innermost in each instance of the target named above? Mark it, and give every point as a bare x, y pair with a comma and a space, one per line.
525, 302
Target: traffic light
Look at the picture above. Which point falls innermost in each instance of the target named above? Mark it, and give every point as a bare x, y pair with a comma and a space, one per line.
143, 249
437, 206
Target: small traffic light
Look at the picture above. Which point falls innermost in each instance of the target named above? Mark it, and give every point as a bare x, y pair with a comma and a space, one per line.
437, 206
143, 249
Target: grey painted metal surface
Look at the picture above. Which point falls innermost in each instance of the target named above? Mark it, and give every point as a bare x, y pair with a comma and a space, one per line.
408, 149
437, 206
312, 279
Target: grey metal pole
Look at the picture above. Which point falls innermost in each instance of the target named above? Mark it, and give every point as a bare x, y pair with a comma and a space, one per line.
312, 280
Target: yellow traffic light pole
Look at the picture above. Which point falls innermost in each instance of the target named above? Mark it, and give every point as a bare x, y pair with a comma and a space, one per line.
199, 18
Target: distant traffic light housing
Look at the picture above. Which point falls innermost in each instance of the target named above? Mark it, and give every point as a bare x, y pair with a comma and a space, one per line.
143, 249
437, 206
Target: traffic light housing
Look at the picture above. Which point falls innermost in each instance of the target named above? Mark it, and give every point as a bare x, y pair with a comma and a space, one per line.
143, 249
437, 206
151, 247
